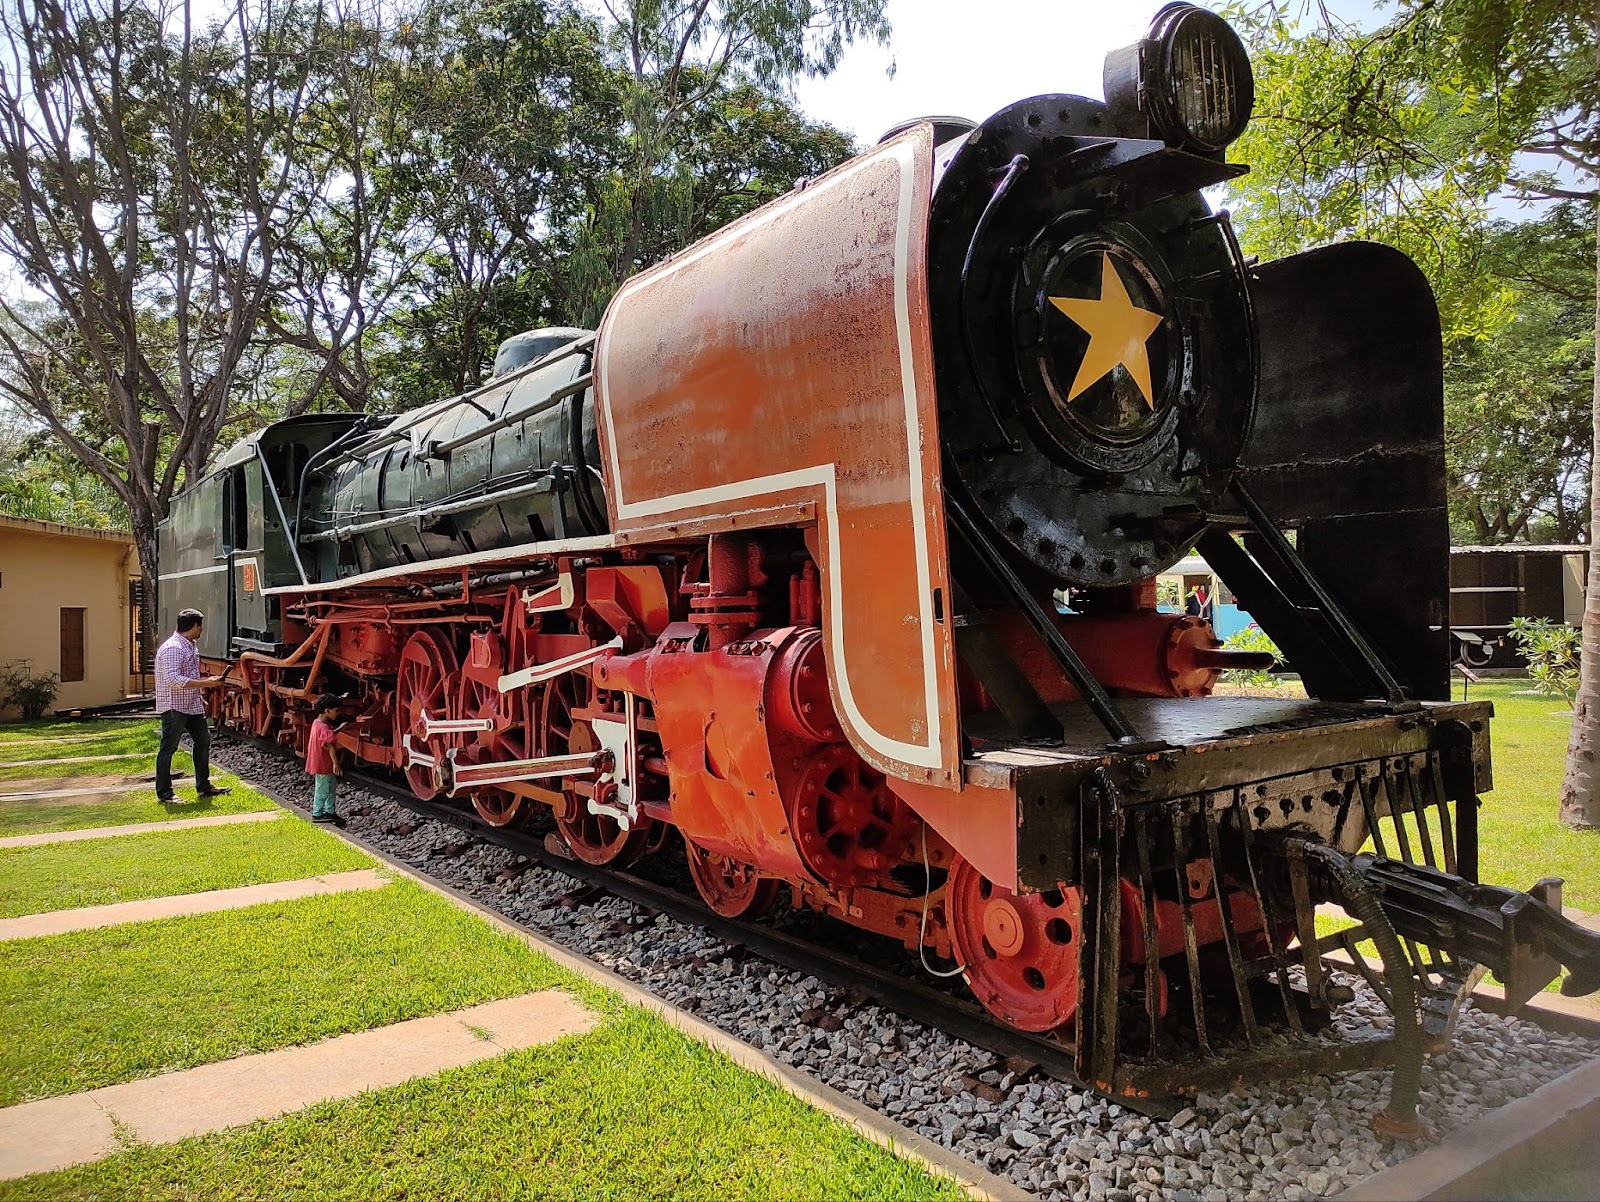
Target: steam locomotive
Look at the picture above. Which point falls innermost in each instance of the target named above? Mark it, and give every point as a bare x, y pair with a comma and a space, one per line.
770, 559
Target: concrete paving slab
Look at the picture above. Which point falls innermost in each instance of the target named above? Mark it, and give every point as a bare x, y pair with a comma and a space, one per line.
52, 1134
520, 1022
135, 828
88, 918
60, 1131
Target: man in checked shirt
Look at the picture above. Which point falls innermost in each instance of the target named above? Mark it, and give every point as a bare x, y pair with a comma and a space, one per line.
182, 707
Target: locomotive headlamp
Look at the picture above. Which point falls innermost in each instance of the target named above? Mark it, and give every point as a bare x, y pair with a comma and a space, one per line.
1189, 80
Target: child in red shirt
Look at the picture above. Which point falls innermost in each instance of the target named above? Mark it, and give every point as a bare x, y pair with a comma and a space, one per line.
322, 760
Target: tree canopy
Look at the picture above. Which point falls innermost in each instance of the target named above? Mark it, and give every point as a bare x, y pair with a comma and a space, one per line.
211, 222
1421, 133
1406, 132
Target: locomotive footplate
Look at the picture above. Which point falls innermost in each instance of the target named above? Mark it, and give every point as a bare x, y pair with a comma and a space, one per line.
1200, 873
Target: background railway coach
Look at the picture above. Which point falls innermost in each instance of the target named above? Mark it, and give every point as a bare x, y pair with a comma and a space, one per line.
762, 570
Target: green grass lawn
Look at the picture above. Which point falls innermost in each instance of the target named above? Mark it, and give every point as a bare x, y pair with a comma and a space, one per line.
87, 739
631, 1110
93, 1008
24, 816
1520, 836
142, 764
100, 872
74, 729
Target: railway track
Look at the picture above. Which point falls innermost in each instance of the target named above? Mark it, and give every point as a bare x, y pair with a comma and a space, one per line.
910, 998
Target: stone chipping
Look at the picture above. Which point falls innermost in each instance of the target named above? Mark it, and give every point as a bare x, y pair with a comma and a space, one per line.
1299, 1139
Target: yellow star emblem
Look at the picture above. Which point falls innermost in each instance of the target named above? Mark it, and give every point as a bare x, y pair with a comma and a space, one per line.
1117, 329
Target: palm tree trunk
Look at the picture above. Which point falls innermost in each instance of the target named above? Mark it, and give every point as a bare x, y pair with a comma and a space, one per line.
1580, 790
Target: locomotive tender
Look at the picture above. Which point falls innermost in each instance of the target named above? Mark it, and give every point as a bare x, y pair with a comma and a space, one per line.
769, 559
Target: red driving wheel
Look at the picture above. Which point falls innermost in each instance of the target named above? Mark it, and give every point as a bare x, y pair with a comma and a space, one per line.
592, 838
730, 888
507, 741
423, 685
1020, 950
850, 827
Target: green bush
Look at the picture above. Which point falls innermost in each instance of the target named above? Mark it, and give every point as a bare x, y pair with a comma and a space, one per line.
1252, 638
1551, 649
29, 693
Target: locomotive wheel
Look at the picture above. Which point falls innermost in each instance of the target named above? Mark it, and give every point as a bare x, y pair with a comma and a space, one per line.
427, 667
849, 826
592, 838
495, 806
1020, 950
728, 887
517, 629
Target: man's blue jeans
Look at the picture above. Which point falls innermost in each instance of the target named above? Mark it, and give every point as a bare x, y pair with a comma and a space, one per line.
173, 726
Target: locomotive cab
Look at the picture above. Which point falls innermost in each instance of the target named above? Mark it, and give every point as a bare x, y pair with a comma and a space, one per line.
227, 540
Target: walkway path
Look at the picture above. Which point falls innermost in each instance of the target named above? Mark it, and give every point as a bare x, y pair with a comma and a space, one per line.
55, 1132
88, 918
136, 828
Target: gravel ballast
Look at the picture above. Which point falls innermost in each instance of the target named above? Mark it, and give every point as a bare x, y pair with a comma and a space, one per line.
1296, 1139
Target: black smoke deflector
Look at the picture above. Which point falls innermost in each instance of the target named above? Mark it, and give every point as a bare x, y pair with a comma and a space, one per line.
1348, 449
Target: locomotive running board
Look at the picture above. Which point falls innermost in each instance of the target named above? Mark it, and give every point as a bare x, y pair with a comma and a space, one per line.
549, 670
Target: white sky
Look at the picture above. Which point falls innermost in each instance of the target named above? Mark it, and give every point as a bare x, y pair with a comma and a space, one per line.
971, 58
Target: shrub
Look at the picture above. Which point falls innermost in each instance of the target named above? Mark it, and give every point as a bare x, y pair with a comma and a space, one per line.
1551, 649
1252, 638
29, 693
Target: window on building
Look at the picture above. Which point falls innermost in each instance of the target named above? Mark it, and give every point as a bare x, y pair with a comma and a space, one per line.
71, 644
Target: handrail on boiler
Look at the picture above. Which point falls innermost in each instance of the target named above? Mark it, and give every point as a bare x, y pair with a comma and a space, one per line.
396, 432
439, 450
481, 501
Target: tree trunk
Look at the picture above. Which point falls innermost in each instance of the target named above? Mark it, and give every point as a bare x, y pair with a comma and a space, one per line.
1580, 790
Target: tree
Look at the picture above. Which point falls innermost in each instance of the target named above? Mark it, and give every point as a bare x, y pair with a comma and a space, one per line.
1518, 399
354, 256
517, 167
507, 116
1537, 62
1419, 122
36, 483
681, 58
150, 187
